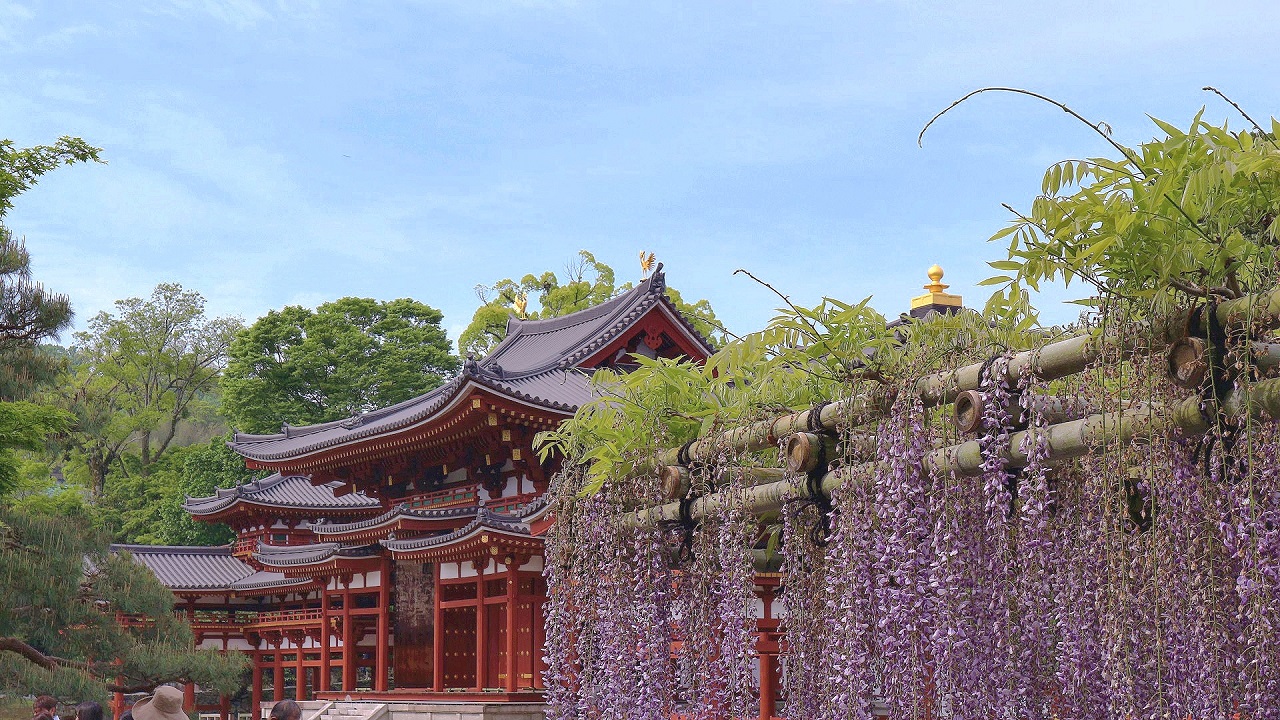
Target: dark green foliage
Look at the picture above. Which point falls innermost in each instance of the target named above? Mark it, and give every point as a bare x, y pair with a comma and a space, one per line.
61, 591
348, 356
25, 426
148, 509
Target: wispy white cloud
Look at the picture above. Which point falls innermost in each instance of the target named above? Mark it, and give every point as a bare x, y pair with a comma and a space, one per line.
238, 13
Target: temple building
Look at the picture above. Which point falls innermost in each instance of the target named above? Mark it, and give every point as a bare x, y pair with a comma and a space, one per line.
397, 554
394, 559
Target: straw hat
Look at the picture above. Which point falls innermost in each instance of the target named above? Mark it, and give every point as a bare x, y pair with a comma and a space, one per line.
165, 704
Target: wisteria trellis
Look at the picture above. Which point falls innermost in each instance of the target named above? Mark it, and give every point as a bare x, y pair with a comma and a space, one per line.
1136, 577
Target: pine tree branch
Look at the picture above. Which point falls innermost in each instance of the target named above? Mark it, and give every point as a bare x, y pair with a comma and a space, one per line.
48, 662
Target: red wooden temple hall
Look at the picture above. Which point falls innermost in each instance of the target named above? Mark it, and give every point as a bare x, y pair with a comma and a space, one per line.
398, 553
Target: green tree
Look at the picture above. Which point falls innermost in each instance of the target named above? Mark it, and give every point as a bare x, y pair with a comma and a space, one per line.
348, 356
1186, 217
138, 373
61, 593
584, 283
29, 314
149, 508
60, 634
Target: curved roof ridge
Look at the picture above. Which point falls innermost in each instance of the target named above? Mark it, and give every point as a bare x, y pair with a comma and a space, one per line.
611, 310
294, 491
297, 431
485, 518
265, 548
171, 549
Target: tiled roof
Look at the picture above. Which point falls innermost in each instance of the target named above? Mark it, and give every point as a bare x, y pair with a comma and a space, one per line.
282, 555
531, 510
287, 555
485, 521
267, 579
290, 491
390, 516
537, 363
189, 568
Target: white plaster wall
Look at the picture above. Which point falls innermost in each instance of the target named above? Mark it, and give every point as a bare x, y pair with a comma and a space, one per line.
534, 565
450, 570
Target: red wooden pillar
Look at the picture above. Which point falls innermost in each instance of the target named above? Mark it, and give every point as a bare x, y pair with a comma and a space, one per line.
536, 601
300, 673
437, 645
482, 628
325, 660
277, 692
256, 688
189, 689
383, 653
768, 685
348, 641
224, 701
117, 705
513, 587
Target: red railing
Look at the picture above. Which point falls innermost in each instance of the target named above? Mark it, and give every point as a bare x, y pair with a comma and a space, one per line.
449, 497
288, 617
508, 505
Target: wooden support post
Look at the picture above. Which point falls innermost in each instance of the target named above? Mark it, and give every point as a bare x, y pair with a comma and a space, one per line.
539, 633
383, 653
255, 690
437, 649
300, 672
348, 641
513, 586
277, 692
768, 685
224, 707
117, 705
325, 633
189, 689
482, 628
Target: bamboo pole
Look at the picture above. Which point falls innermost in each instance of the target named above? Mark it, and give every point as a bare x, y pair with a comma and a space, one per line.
1055, 360
676, 479
1066, 441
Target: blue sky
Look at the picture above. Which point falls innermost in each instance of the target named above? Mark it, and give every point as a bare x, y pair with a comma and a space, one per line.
268, 153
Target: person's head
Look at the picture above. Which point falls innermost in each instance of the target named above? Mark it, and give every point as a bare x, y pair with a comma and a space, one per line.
89, 710
164, 704
127, 714
42, 715
286, 710
46, 703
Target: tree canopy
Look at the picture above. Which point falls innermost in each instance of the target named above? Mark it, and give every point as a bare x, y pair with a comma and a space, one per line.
63, 596
136, 374
352, 355
585, 282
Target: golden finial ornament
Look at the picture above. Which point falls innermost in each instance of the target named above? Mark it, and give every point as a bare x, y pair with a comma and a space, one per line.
646, 263
521, 303
935, 276
935, 292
